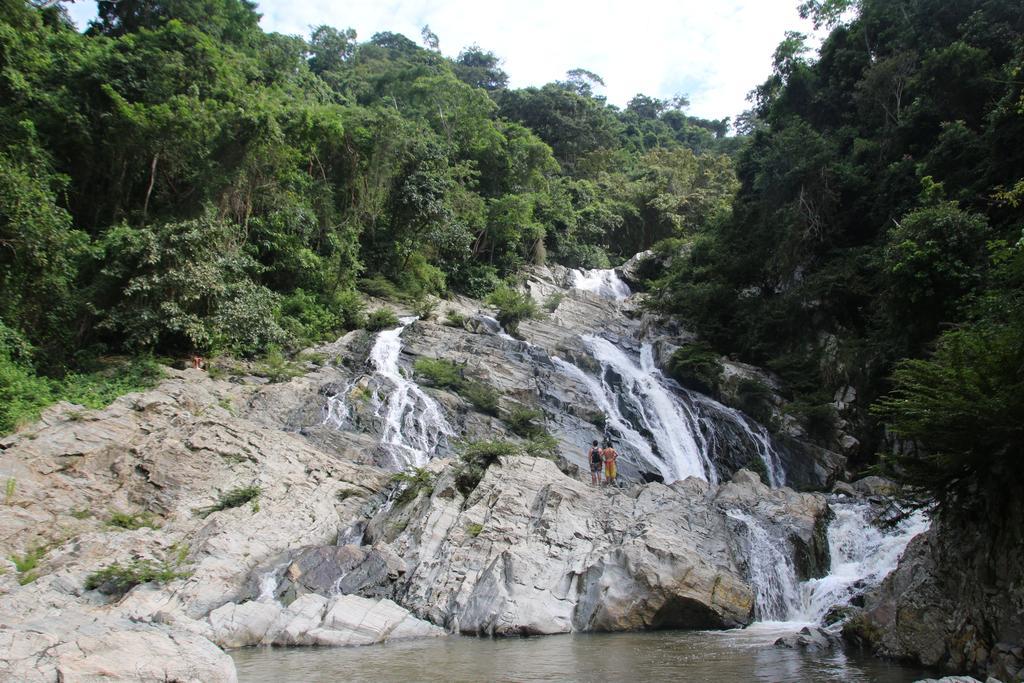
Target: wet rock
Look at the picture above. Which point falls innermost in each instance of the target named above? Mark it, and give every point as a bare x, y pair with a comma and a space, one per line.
318, 569
637, 270
875, 486
810, 639
843, 488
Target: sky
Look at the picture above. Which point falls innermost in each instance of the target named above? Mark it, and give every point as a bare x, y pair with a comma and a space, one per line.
712, 51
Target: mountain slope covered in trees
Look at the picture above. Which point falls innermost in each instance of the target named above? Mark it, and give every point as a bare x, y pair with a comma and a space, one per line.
176, 180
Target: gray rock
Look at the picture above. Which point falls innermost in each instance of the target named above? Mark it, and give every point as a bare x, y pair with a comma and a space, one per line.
810, 639
533, 551
875, 486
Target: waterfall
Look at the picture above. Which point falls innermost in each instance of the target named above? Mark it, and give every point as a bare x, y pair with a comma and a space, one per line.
755, 432
414, 424
607, 402
602, 282
862, 555
336, 410
771, 570
669, 420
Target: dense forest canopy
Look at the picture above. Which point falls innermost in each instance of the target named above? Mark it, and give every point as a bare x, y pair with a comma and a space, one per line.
879, 218
177, 180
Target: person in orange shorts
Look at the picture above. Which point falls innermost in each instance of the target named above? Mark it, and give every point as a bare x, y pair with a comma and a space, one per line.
609, 456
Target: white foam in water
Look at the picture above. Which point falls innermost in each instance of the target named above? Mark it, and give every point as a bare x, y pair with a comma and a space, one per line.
862, 555
665, 416
336, 410
771, 571
414, 424
604, 282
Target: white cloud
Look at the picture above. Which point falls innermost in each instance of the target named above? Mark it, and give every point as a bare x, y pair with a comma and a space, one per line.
714, 51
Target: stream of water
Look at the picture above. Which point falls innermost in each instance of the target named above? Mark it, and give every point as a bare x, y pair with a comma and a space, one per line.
718, 657
414, 423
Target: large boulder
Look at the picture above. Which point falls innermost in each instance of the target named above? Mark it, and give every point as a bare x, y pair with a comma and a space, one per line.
315, 620
533, 551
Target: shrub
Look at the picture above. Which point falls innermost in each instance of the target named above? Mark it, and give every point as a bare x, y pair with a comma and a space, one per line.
117, 579
542, 445
513, 307
553, 300
524, 421
232, 499
454, 319
424, 308
413, 482
475, 457
474, 529
482, 396
123, 520
381, 319
755, 399
696, 366
275, 367
378, 286
818, 419
441, 373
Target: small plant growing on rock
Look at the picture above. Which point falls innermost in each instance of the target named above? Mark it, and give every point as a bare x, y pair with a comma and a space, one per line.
413, 482
276, 367
123, 520
424, 308
474, 529
483, 397
443, 374
454, 319
542, 445
117, 579
26, 564
476, 457
381, 319
12, 484
513, 307
553, 300
232, 499
696, 366
524, 422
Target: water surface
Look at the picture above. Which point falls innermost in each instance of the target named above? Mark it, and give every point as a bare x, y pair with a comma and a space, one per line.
742, 655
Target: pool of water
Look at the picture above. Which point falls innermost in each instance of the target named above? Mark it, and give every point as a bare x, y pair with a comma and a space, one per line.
740, 655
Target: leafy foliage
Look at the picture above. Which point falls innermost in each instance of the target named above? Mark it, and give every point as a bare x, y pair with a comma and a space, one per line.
475, 457
412, 483
117, 579
513, 307
234, 498
381, 319
696, 366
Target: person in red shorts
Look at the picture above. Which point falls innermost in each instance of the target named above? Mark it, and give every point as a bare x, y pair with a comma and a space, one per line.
609, 456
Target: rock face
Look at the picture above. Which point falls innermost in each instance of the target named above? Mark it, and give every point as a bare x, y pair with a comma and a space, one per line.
158, 457
956, 600
315, 620
532, 551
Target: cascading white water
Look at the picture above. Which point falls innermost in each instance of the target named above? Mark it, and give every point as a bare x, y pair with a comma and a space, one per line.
607, 403
336, 410
862, 555
414, 424
604, 282
771, 571
668, 419
754, 431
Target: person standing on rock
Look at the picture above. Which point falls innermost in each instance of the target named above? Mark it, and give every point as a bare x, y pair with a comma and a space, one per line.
596, 458
609, 456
